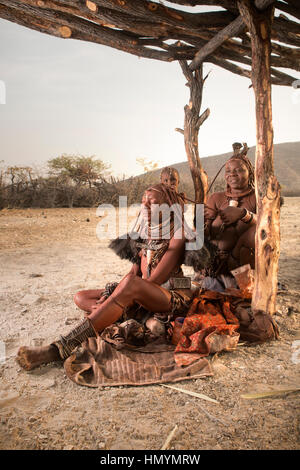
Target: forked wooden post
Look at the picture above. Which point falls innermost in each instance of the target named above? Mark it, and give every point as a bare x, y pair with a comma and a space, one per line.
267, 240
192, 123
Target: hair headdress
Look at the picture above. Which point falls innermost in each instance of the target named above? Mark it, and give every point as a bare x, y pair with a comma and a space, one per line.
242, 156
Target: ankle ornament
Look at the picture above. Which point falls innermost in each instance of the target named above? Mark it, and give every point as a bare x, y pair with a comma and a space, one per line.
67, 344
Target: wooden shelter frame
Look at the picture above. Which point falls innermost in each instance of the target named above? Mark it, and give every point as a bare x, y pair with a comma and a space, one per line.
251, 38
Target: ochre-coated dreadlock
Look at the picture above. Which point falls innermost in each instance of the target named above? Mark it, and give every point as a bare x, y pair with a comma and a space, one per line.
169, 195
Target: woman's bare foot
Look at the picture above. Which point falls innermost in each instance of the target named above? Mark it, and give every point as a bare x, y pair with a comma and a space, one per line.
29, 358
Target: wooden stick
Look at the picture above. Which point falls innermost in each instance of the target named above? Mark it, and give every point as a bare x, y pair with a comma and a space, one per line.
169, 438
198, 395
269, 393
190, 392
233, 29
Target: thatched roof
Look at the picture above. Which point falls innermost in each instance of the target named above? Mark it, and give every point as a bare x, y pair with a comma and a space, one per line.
163, 30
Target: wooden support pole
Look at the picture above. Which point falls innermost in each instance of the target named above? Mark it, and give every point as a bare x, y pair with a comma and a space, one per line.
192, 122
267, 187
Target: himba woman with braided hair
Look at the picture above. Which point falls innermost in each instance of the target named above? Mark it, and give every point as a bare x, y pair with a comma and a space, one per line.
170, 177
155, 281
230, 216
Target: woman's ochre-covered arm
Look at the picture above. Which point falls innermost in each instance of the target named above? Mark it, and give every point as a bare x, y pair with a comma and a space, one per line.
210, 213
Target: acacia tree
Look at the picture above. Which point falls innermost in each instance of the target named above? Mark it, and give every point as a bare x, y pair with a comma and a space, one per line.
76, 171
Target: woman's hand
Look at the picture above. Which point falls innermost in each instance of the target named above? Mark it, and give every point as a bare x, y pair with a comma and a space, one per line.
209, 212
98, 303
230, 215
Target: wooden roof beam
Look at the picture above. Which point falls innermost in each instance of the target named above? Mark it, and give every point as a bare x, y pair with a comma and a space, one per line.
132, 34
277, 77
276, 61
290, 9
185, 52
286, 57
286, 37
133, 20
233, 29
130, 22
103, 15
67, 26
225, 64
285, 24
293, 2
228, 4
158, 12
108, 17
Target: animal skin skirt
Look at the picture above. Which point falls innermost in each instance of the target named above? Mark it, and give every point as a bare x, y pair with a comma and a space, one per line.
181, 300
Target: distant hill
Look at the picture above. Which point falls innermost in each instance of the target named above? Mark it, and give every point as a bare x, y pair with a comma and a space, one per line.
287, 168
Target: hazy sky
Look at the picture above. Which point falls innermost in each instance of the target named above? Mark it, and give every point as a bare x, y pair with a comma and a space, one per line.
74, 97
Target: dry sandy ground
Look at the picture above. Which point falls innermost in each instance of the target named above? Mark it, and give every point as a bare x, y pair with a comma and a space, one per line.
48, 255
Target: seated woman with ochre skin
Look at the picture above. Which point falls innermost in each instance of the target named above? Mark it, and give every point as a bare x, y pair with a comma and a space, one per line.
160, 259
230, 217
